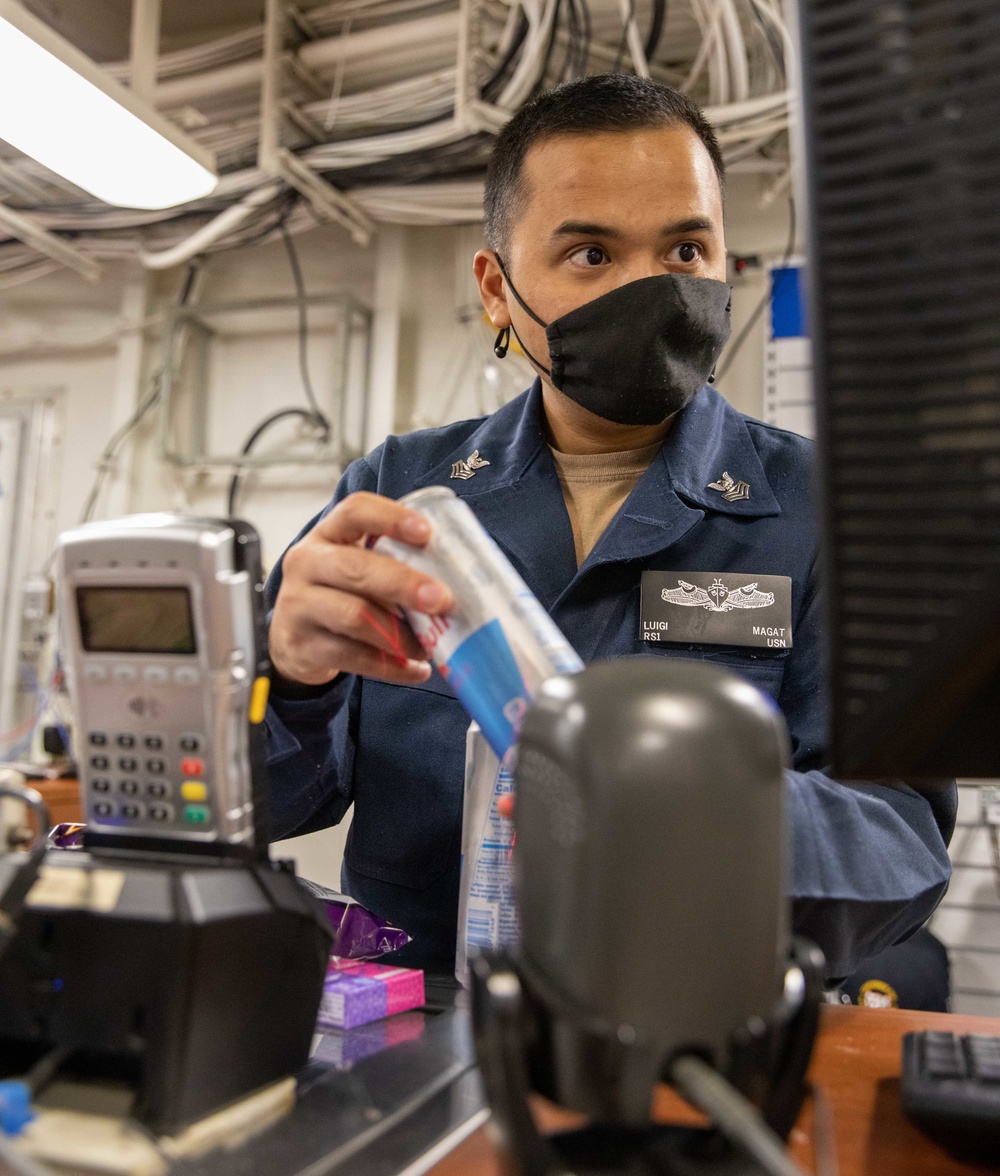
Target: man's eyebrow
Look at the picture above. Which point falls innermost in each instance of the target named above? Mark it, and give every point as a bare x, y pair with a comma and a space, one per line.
586, 229
692, 224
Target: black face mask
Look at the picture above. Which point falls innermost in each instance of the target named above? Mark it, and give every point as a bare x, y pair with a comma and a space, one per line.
639, 354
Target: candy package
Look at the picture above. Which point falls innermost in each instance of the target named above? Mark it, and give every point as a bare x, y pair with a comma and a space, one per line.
358, 933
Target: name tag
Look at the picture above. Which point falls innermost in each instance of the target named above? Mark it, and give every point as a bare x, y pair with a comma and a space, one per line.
716, 609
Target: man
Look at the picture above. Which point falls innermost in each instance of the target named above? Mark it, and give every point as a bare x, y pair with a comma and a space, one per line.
607, 261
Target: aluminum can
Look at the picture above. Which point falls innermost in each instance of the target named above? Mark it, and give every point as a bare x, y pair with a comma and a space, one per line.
498, 645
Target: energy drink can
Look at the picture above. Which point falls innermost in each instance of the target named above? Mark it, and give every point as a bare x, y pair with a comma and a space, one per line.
498, 644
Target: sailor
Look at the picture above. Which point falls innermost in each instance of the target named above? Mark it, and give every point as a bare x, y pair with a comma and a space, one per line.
607, 262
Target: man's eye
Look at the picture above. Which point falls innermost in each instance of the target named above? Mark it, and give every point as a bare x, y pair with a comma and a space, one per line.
688, 252
590, 256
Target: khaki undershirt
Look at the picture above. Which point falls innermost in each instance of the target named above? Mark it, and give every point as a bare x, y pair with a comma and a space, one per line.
594, 486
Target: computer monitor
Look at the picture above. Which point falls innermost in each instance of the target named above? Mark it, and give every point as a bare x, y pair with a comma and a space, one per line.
902, 140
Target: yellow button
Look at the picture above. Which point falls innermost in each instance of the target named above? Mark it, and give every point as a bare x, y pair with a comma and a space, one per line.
194, 790
258, 699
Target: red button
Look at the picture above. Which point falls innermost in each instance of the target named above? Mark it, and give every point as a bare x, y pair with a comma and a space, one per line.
192, 767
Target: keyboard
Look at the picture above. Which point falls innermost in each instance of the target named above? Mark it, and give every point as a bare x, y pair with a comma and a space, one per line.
951, 1091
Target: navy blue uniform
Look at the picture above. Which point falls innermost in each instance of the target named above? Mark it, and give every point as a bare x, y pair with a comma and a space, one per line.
869, 862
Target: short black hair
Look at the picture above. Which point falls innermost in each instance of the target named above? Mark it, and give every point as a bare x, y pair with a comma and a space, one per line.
605, 102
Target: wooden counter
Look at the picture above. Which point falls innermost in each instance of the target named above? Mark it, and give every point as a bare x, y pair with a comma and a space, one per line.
856, 1063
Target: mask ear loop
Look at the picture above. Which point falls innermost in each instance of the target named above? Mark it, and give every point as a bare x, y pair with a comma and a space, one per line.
502, 343
728, 310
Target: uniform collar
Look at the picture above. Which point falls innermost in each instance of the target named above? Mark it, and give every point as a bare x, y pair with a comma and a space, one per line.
519, 500
510, 440
709, 439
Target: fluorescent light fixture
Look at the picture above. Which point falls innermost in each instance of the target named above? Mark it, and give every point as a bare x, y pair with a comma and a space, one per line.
61, 108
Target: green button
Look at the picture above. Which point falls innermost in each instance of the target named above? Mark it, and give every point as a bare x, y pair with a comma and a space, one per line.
196, 814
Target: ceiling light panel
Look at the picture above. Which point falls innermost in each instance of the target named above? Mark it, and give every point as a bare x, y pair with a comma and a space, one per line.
63, 110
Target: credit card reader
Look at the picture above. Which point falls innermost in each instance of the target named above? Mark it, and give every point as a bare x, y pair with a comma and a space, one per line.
164, 643
170, 954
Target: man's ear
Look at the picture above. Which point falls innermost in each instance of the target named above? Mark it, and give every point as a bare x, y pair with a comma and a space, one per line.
491, 287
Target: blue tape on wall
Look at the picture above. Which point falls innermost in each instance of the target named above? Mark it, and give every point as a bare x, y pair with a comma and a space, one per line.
788, 318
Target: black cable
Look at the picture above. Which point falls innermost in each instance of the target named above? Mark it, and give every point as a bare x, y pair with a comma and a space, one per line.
300, 291
251, 441
283, 211
314, 414
771, 37
45, 1069
574, 42
540, 84
656, 28
502, 65
20, 882
581, 38
572, 37
732, 1113
751, 322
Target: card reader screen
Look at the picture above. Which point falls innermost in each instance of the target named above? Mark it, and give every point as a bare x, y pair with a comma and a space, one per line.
136, 620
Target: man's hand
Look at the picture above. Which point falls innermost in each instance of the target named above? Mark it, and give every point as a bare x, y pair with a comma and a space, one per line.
338, 606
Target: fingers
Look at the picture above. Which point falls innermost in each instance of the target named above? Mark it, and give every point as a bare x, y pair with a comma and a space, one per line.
339, 606
359, 571
330, 654
364, 621
364, 514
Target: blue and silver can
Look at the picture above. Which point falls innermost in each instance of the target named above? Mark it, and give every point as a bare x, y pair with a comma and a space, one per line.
498, 644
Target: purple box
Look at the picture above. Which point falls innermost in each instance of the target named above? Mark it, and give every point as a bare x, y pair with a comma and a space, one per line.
349, 1001
404, 987
355, 993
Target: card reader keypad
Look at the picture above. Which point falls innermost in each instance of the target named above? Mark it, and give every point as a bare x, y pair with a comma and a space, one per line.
153, 784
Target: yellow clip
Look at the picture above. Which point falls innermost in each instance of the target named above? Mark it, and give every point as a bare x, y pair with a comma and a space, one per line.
258, 699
